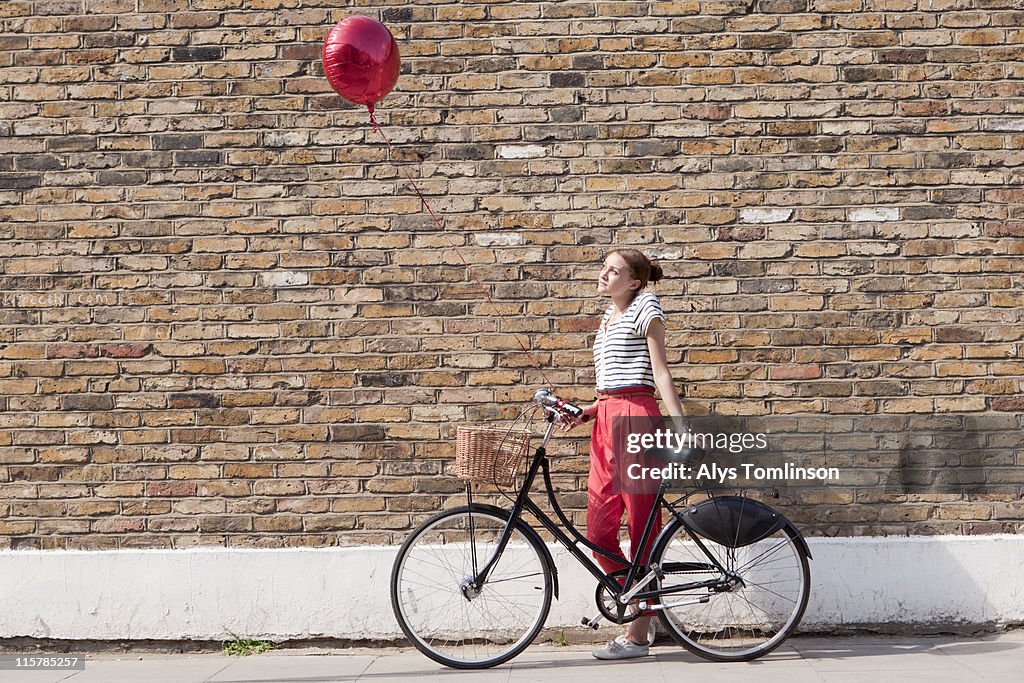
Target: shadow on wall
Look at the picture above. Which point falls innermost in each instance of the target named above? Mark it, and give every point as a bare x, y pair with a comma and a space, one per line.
959, 457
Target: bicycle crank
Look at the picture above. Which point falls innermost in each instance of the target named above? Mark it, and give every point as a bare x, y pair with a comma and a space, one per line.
610, 607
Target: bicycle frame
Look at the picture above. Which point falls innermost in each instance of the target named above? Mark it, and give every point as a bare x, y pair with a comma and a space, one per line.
627, 591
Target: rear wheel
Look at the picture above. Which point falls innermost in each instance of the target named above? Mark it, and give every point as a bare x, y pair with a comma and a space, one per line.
754, 606
453, 622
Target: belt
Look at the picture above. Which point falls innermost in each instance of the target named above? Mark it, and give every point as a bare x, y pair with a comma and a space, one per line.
603, 396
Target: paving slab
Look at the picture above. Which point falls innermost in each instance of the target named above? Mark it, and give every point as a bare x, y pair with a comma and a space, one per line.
885, 655
149, 668
413, 666
992, 660
267, 668
740, 673
569, 665
34, 676
784, 664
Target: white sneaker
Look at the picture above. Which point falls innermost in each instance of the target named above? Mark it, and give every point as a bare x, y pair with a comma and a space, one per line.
621, 648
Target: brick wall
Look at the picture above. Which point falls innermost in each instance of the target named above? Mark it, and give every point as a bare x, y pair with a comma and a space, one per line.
226, 320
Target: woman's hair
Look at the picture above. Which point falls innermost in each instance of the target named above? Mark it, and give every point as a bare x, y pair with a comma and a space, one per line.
640, 267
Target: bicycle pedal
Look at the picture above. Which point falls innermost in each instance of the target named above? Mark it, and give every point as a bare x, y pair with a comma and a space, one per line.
592, 623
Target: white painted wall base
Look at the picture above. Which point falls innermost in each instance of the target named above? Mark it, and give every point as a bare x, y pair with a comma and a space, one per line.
343, 592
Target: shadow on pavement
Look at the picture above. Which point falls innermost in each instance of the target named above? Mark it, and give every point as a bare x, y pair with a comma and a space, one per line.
837, 648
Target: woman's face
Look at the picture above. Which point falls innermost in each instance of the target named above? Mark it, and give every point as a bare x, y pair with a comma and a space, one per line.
615, 278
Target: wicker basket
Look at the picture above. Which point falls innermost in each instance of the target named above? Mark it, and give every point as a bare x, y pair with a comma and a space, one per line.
489, 455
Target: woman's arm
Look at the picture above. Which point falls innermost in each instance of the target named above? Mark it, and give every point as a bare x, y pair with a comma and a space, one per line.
659, 364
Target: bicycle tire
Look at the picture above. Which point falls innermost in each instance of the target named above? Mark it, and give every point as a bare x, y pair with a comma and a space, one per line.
731, 626
438, 617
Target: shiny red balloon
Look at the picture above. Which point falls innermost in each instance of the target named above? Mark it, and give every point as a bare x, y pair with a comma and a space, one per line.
361, 60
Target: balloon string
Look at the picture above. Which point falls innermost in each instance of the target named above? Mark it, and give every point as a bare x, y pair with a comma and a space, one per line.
377, 129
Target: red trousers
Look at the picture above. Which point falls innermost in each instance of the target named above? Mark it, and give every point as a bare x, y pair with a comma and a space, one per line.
605, 497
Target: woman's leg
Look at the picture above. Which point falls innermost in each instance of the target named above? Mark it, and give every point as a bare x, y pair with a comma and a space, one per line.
638, 510
604, 499
604, 516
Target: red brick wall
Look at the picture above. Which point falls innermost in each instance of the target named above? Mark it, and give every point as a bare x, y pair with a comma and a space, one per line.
227, 321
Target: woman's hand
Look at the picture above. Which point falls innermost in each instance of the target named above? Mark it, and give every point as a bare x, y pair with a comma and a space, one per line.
568, 422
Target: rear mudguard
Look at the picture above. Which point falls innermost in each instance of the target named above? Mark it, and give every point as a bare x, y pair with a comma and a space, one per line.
734, 521
529, 532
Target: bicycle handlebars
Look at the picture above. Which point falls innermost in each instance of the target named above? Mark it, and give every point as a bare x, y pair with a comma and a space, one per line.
547, 399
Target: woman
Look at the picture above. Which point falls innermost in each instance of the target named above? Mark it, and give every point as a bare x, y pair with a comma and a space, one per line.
629, 355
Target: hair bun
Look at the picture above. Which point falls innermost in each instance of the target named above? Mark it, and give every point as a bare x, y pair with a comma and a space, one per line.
656, 272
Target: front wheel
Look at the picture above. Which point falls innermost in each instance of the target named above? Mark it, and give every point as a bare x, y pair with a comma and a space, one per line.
444, 615
754, 605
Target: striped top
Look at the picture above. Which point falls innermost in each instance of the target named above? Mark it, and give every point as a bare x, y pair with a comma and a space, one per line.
620, 349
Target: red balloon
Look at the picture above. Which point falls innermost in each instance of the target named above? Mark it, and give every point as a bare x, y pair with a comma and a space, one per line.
361, 60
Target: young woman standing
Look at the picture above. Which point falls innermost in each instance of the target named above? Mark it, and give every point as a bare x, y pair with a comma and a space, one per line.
629, 356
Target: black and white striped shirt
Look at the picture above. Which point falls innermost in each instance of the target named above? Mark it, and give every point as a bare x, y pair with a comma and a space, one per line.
620, 349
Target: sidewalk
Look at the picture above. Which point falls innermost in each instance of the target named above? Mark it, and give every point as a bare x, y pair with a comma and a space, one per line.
799, 660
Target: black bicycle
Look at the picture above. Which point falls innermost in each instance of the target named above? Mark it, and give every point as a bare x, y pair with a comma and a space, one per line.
728, 577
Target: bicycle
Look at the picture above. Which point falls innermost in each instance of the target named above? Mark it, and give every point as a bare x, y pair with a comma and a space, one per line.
728, 577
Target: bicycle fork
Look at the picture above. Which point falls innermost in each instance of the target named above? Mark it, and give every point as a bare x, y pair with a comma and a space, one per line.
471, 588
